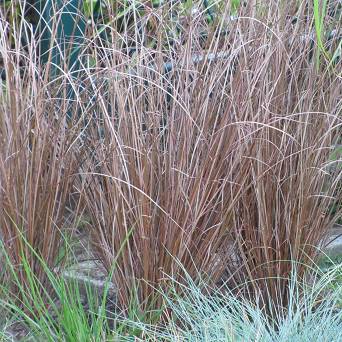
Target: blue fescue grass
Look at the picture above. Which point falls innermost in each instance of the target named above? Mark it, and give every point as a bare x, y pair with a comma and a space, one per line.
313, 314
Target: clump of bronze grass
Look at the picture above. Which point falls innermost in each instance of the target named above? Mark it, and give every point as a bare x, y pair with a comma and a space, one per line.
37, 159
214, 143
295, 101
206, 146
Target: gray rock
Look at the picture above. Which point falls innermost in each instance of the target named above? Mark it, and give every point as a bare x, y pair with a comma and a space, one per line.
333, 245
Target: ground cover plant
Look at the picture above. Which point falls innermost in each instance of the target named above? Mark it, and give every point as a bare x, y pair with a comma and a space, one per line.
313, 313
70, 312
224, 317
199, 144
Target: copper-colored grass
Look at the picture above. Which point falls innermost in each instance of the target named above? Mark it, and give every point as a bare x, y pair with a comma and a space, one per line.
37, 160
220, 163
218, 155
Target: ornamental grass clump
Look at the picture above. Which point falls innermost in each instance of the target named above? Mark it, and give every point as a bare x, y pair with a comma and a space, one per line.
213, 150
313, 314
206, 144
37, 158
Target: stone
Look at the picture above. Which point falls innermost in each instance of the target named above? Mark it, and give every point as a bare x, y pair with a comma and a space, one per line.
333, 245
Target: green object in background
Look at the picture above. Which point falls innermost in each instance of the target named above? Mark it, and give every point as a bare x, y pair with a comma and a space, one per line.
62, 29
